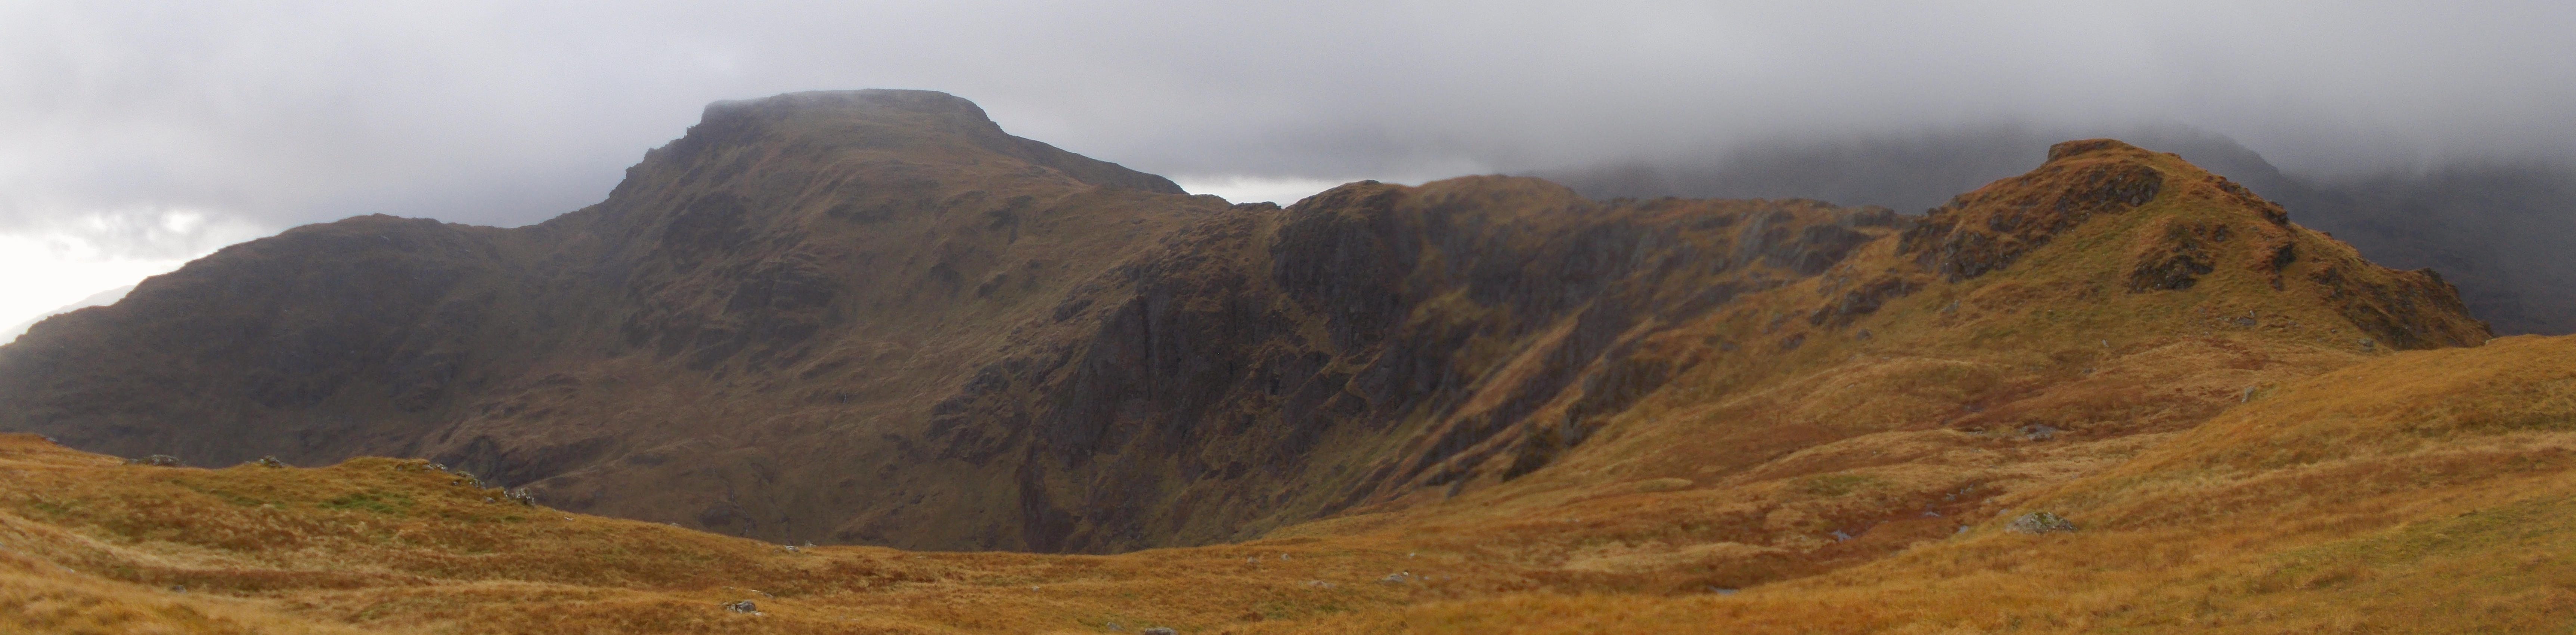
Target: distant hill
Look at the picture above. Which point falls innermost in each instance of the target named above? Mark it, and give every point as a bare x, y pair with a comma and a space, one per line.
2492, 228
102, 298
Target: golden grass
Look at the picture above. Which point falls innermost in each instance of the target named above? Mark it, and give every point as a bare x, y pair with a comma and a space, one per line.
2422, 492
381, 544
1821, 487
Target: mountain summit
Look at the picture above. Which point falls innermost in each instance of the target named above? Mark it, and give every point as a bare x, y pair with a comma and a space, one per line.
874, 317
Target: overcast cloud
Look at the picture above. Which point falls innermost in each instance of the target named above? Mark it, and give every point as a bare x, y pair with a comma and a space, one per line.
151, 132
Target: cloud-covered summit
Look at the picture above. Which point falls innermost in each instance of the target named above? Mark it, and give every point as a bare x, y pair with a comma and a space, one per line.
504, 113
238, 117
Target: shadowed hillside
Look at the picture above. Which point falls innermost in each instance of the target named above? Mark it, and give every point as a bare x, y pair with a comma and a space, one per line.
1476, 405
2425, 491
872, 317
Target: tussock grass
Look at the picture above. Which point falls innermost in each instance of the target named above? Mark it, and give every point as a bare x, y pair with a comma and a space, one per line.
2266, 475
92, 545
2423, 492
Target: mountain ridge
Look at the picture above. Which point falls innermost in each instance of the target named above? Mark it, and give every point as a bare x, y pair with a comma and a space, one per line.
1027, 349
2479, 222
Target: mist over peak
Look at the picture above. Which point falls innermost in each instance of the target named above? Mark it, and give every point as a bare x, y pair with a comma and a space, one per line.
505, 114
2484, 223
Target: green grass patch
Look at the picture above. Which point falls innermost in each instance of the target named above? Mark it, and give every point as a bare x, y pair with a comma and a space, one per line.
371, 501
1838, 484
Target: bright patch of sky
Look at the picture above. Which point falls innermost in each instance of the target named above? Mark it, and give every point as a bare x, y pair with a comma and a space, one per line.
1257, 189
64, 264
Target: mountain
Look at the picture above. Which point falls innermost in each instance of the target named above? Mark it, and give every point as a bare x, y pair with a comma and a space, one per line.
2115, 392
873, 317
2496, 227
2486, 225
102, 298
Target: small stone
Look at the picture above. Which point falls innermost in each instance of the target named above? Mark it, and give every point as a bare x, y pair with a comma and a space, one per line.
2040, 523
1839, 536
790, 548
1161, 630
178, 588
744, 606
2038, 432
2247, 396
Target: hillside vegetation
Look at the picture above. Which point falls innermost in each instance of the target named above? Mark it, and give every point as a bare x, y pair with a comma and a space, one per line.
2423, 492
2116, 393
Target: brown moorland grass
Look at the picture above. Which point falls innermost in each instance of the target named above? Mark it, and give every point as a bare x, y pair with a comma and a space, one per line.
2239, 457
381, 544
2420, 492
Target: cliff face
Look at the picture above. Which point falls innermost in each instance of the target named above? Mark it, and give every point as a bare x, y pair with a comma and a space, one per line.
874, 317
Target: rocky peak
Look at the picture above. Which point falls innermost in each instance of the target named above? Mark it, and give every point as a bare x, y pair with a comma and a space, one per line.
924, 125
2070, 149
1990, 228
2149, 222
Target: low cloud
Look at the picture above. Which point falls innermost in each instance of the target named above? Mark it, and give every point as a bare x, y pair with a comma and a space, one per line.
269, 114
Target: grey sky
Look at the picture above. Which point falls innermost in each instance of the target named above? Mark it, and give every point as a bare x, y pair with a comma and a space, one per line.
157, 130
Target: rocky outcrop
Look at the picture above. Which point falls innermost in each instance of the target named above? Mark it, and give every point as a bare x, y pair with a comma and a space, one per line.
2206, 224
1293, 363
1990, 228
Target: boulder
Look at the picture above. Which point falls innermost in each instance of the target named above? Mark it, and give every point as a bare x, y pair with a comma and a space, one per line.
2040, 523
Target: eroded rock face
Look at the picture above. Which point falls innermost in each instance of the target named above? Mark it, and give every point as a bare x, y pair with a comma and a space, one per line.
2179, 259
1990, 228
1261, 375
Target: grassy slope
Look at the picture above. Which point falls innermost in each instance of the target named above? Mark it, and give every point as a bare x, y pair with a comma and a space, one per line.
2424, 487
2427, 491
93, 545
2422, 492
